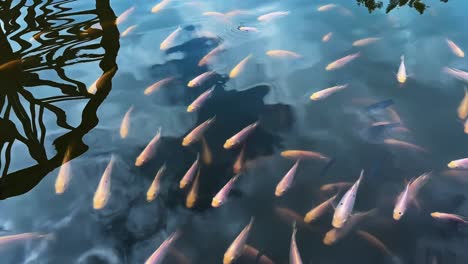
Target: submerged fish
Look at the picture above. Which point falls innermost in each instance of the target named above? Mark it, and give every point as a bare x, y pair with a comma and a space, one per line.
239, 165
335, 187
320, 95
103, 191
120, 19
125, 125
255, 254
248, 29
158, 7
169, 40
327, 37
462, 109
197, 133
239, 67
192, 196
380, 105
455, 49
409, 195
340, 63
23, 237
153, 190
272, 16
283, 54
240, 136
401, 74
319, 210
207, 156
200, 79
221, 197
287, 180
459, 74
336, 234
154, 87
294, 256
64, 175
203, 61
105, 77
149, 150
364, 42
303, 154
458, 164
128, 30
188, 177
200, 101
326, 7
237, 246
160, 253
345, 207
378, 244
449, 217
404, 144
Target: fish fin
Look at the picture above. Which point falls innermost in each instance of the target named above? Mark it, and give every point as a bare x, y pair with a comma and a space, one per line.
416, 204
327, 167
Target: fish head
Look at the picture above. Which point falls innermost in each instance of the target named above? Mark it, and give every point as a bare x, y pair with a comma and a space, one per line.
139, 161
228, 258
100, 201
452, 165
216, 202
330, 66
192, 84
150, 196
279, 191
398, 213
401, 78
315, 97
330, 237
435, 214
191, 108
186, 141
309, 218
182, 184
338, 221
228, 144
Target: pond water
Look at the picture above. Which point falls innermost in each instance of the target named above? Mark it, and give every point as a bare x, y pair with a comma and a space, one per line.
71, 74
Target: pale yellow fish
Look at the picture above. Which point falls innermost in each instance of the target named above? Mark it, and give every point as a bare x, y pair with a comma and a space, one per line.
327, 37
237, 12
240, 136
188, 177
239, 67
365, 41
319, 210
125, 125
272, 16
23, 237
294, 256
160, 253
200, 79
404, 144
192, 196
239, 164
203, 61
322, 94
335, 187
120, 19
169, 41
104, 78
103, 191
153, 190
336, 234
64, 175
462, 109
197, 133
326, 7
283, 54
237, 246
378, 244
221, 197
128, 30
455, 49
340, 63
217, 15
155, 86
248, 29
159, 6
401, 74
200, 101
149, 150
207, 157
287, 180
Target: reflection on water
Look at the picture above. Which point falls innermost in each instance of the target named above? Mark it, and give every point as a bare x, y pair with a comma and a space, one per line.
64, 101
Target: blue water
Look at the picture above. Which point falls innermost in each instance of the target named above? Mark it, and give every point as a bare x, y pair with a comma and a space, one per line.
68, 57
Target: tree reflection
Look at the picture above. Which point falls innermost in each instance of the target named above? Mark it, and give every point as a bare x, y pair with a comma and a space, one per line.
418, 5
32, 44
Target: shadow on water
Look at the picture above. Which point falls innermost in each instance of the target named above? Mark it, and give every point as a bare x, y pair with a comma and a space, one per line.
63, 40
372, 5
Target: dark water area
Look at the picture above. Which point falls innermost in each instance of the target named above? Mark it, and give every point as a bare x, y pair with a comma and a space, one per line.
71, 71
